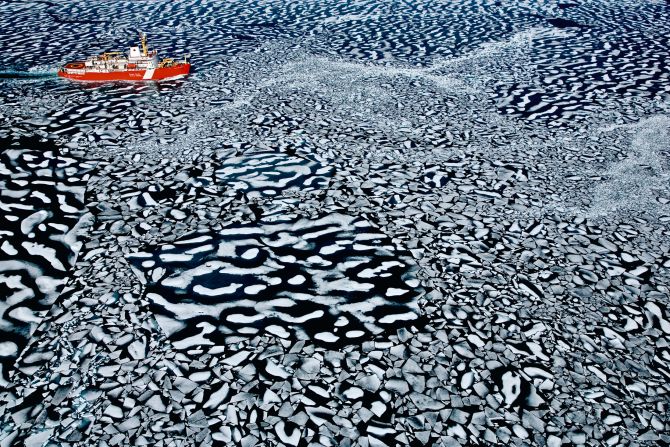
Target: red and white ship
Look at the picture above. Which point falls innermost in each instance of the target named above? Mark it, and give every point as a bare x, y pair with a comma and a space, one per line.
140, 64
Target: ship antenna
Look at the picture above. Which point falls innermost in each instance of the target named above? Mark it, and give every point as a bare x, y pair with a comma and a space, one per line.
143, 39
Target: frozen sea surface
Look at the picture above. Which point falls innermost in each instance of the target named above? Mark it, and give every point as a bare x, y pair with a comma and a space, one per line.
333, 278
359, 223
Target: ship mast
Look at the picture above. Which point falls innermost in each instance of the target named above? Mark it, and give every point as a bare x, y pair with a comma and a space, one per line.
143, 40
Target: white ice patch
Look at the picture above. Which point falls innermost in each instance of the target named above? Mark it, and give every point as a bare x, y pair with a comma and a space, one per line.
30, 222
8, 348
195, 240
250, 254
256, 288
244, 319
297, 280
48, 253
341, 321
175, 257
330, 249
278, 331
344, 284
392, 291
392, 318
304, 318
49, 285
199, 249
268, 305
328, 337
24, 314
169, 325
65, 207
511, 387
8, 248
227, 290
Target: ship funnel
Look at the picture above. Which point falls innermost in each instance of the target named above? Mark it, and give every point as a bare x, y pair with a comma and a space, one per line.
143, 40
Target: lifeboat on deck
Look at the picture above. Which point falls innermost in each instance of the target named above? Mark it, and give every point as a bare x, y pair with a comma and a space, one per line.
140, 64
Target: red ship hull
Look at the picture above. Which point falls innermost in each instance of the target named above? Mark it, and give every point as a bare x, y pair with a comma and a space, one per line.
156, 74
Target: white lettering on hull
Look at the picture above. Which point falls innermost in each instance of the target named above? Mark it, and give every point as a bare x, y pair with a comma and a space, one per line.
149, 73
